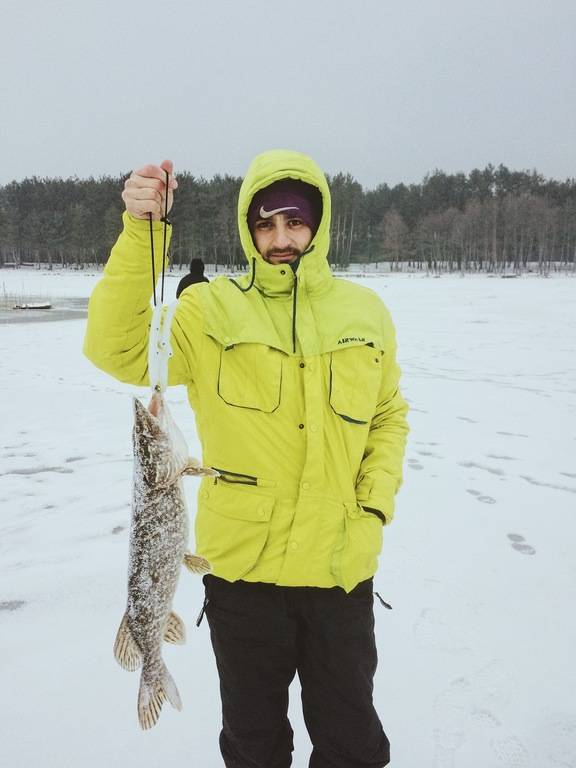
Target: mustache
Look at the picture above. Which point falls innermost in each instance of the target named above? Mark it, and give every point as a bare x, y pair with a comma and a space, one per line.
284, 252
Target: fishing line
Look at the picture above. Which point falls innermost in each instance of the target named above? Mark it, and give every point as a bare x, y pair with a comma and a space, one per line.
164, 237
159, 349
152, 254
165, 220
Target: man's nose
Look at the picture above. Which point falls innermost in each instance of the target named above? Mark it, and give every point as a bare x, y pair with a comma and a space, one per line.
281, 237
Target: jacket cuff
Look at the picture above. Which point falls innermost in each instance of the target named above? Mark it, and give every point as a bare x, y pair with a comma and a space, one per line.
141, 227
375, 492
376, 512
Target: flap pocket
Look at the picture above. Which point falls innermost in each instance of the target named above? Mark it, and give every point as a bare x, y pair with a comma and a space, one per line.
237, 504
355, 375
356, 557
232, 527
250, 376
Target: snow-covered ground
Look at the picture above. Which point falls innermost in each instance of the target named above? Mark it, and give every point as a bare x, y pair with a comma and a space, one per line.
476, 658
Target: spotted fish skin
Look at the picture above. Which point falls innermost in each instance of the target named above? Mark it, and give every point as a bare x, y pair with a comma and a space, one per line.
158, 544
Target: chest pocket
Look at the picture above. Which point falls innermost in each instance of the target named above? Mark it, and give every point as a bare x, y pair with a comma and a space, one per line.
355, 375
250, 376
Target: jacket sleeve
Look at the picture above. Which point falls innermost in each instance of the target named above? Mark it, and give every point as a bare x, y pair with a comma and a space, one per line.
380, 474
119, 312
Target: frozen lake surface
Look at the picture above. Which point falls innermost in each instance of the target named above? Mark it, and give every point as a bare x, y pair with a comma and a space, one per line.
476, 658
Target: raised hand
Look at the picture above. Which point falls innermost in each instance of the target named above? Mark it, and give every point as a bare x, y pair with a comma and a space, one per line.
145, 190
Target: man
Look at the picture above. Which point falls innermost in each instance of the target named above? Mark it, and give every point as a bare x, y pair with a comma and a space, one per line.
293, 378
196, 275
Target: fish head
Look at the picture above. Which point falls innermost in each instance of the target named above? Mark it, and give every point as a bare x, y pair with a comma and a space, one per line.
159, 446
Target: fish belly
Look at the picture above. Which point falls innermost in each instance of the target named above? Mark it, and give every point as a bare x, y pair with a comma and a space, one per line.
158, 541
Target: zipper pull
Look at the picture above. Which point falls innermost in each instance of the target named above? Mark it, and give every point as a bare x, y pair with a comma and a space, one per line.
294, 306
202, 612
383, 602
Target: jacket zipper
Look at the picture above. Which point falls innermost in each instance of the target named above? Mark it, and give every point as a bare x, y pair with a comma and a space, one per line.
294, 305
202, 612
295, 297
236, 477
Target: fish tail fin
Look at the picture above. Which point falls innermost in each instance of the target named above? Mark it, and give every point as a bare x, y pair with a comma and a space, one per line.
196, 564
126, 651
153, 694
171, 690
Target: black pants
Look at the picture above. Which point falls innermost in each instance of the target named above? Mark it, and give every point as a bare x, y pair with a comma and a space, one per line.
262, 635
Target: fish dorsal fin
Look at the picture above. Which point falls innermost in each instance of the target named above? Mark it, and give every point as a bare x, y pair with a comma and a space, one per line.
175, 631
126, 651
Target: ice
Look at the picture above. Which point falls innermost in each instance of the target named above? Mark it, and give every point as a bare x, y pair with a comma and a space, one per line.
477, 658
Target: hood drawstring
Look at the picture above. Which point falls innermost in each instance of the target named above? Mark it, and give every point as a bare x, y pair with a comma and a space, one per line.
251, 281
294, 295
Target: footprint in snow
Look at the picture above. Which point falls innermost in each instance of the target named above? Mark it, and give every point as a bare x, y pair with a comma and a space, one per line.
510, 751
36, 470
431, 629
413, 464
11, 605
480, 496
519, 544
475, 465
502, 458
560, 740
557, 487
466, 418
466, 711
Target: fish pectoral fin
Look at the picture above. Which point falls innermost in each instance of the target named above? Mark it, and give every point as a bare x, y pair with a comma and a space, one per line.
126, 651
193, 467
152, 695
196, 564
175, 631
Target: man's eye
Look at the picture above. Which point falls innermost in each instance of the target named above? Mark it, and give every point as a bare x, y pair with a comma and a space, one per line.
263, 224
295, 222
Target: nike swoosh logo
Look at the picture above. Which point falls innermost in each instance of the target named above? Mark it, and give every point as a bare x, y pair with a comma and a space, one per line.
267, 214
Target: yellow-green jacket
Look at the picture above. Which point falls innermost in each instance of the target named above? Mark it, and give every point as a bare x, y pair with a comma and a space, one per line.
294, 383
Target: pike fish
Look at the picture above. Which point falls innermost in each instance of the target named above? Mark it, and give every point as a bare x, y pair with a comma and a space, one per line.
158, 549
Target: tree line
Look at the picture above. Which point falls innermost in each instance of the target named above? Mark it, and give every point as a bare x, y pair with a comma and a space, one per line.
493, 219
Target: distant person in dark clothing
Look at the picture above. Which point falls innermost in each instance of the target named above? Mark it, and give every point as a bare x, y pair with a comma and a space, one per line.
196, 275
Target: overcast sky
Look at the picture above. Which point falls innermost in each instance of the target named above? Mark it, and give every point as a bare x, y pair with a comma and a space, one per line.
387, 91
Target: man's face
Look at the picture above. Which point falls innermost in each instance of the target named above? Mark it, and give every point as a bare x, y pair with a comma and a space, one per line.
282, 238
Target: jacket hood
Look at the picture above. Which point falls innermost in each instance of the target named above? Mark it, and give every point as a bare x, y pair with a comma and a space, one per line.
313, 268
